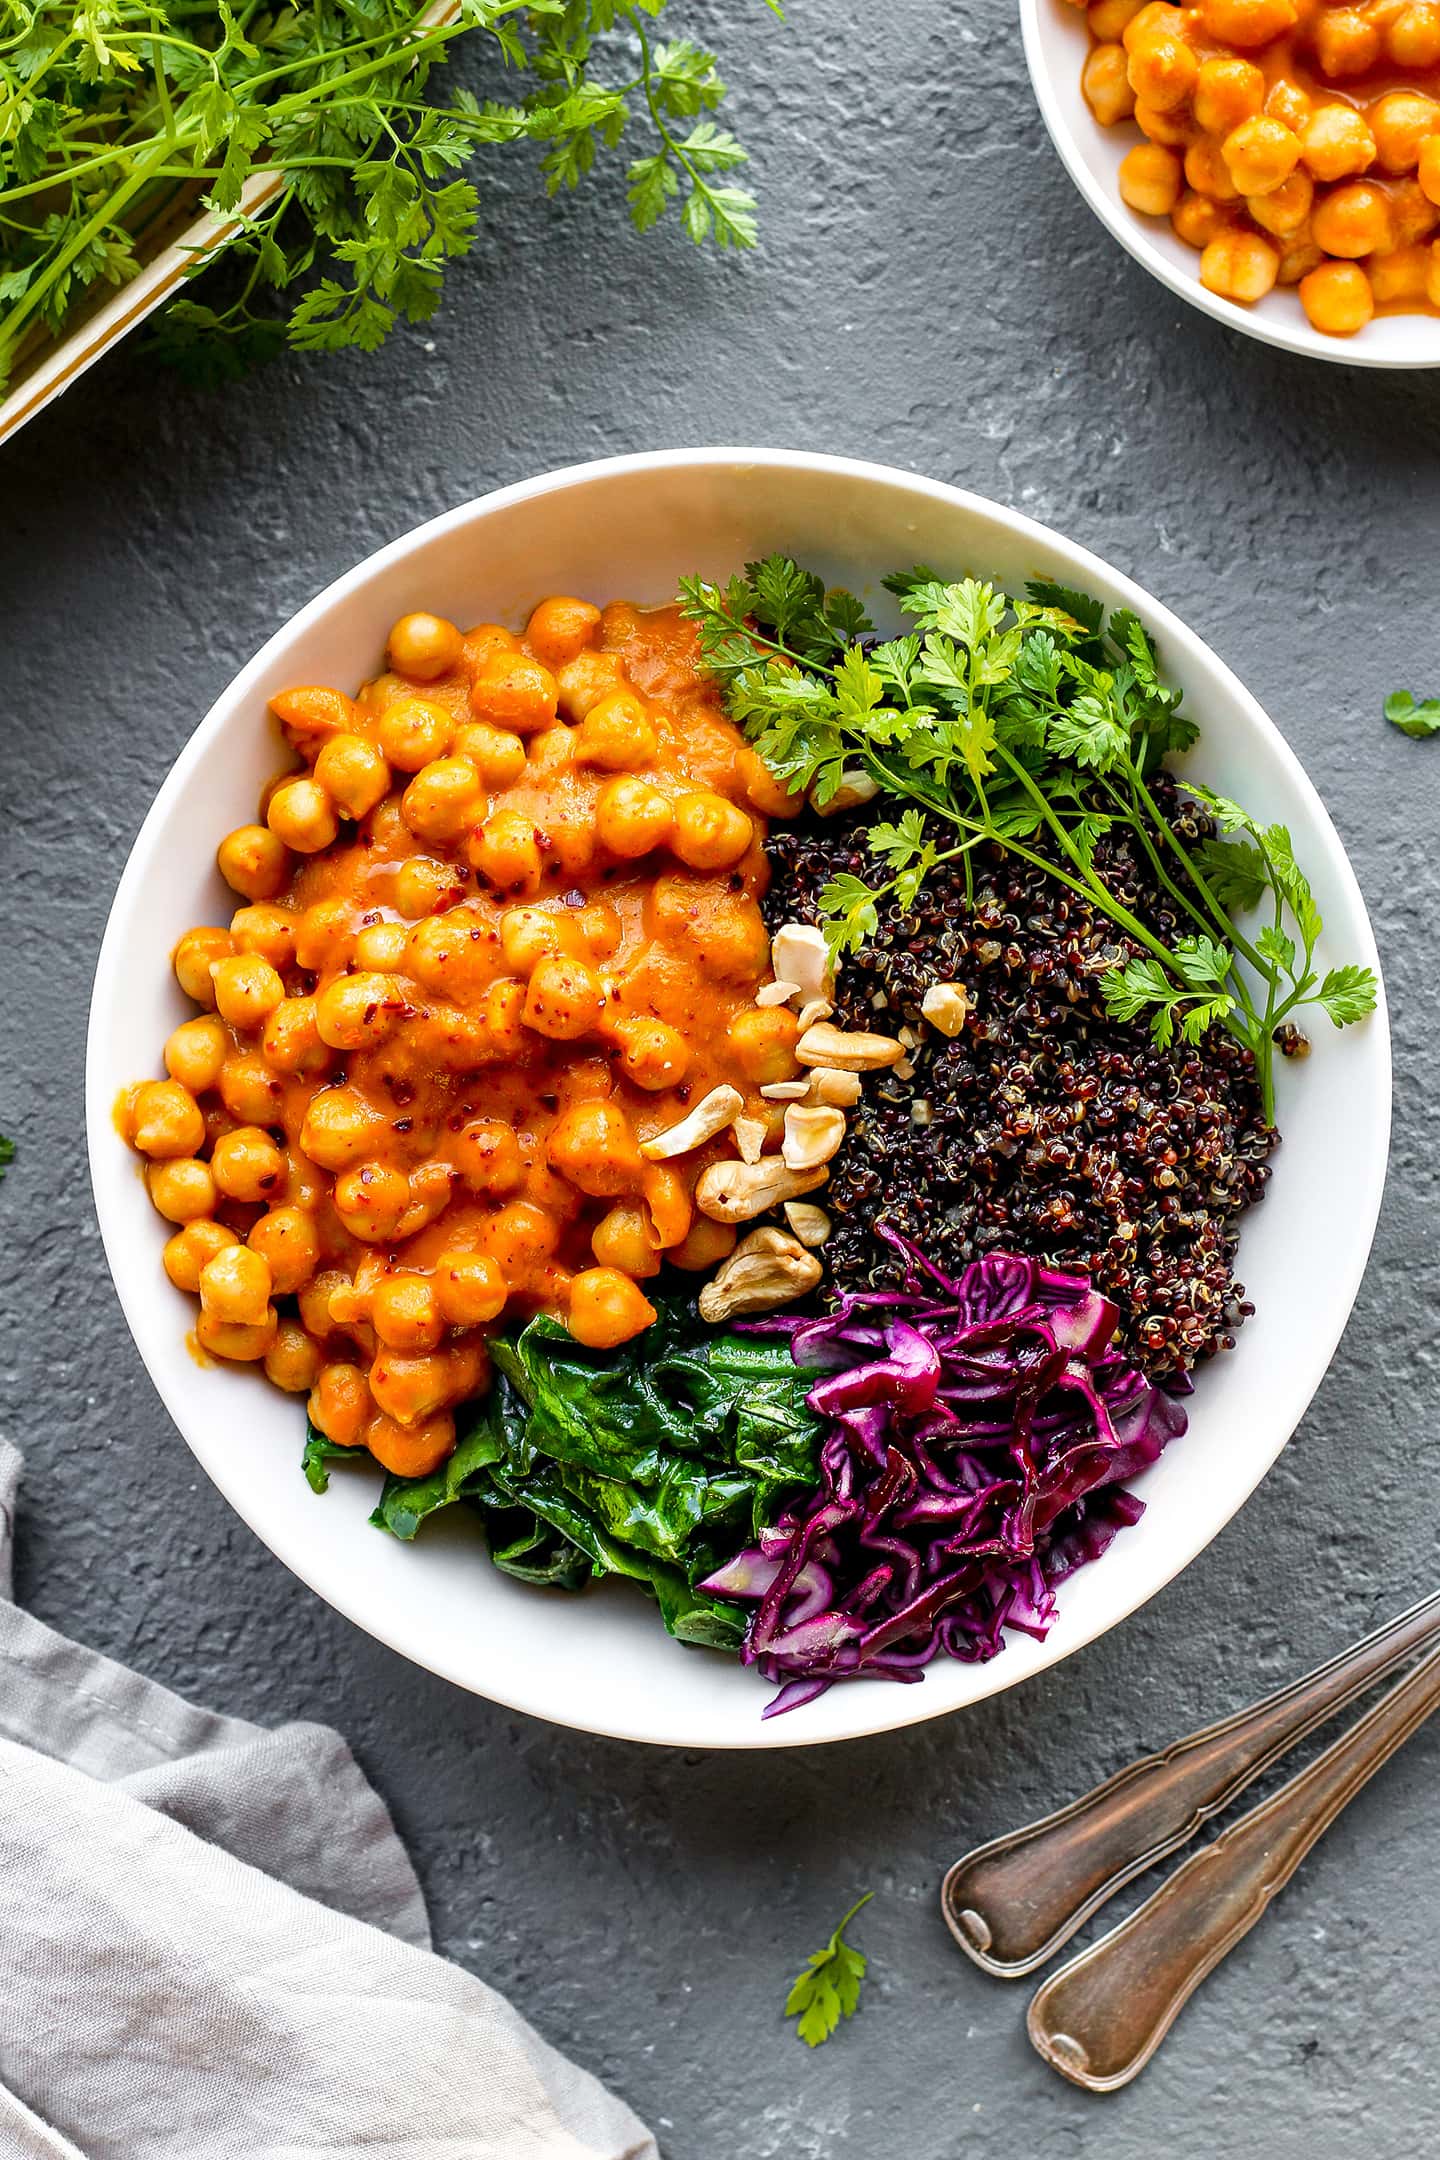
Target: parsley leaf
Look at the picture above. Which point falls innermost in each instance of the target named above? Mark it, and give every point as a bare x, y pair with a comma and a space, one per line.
1419, 720
1347, 993
829, 1987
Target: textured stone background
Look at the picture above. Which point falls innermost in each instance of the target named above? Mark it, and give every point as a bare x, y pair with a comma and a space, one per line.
931, 292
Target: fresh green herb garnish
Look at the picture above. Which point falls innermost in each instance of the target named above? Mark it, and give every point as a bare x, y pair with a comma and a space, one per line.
653, 1461
1037, 724
113, 111
1411, 717
7, 1154
829, 1987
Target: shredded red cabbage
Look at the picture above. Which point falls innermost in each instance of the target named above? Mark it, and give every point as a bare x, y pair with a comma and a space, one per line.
979, 1432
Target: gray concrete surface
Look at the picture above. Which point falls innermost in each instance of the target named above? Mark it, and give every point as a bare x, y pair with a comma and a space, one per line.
931, 292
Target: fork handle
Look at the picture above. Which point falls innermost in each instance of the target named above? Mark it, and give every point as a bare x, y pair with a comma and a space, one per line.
1101, 2017
1012, 1903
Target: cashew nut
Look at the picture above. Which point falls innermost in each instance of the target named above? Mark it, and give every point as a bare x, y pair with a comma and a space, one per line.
778, 992
829, 1085
750, 1137
766, 1269
810, 1224
826, 1045
786, 1090
799, 954
817, 1009
736, 1191
945, 1005
813, 1132
710, 1115
855, 788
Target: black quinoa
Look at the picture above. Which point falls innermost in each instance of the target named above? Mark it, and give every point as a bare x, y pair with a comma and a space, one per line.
1044, 1126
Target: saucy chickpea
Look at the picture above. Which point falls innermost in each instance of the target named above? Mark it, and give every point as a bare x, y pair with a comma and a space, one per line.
1262, 166
503, 923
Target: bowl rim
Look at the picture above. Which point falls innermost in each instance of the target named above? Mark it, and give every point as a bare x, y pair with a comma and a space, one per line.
906, 1706
1123, 225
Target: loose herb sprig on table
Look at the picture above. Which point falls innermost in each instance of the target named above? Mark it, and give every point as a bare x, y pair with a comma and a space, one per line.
1034, 723
829, 1987
1418, 717
110, 110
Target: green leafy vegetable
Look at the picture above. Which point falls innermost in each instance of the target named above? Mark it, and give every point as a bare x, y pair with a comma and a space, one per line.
1412, 718
649, 1461
317, 1455
115, 112
1036, 724
829, 1987
7, 1154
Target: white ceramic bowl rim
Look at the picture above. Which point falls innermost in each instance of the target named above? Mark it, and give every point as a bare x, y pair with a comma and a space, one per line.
852, 1710
1056, 40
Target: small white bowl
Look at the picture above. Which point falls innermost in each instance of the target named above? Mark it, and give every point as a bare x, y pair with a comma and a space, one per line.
631, 527
1056, 44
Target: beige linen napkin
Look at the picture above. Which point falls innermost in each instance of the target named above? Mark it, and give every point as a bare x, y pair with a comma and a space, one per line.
213, 1946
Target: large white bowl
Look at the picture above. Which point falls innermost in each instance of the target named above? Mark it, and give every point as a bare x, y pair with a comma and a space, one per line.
1056, 43
630, 527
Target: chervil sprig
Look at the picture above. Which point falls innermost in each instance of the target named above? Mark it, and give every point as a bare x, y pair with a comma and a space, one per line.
1037, 724
113, 112
829, 1987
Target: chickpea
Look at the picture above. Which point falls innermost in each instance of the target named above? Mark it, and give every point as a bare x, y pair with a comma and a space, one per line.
268, 931
1162, 71
506, 851
1197, 219
1239, 266
1247, 24
1157, 18
340, 1404
1173, 130
293, 1360
247, 990
616, 734
762, 1041
454, 954
424, 647
1352, 220
1150, 179
414, 732
250, 1091
1261, 153
531, 934
195, 955
669, 1210
291, 1039
1401, 275
1413, 38
731, 941
235, 1286
314, 1298
607, 1308
470, 1287
189, 1250
486, 1153
405, 1313
621, 1240
241, 1342
247, 1165
1335, 142
1286, 101
705, 1246
1301, 256
353, 774
1432, 277
520, 1239
324, 936
763, 791
502, 1020
371, 1200
382, 948
565, 999
1345, 43
710, 833
483, 642
167, 1120
1413, 216
593, 1146
182, 1189
631, 817
1337, 298
1400, 124
514, 691
1208, 173
339, 1128
1107, 19
302, 815
289, 1243
497, 754
560, 628
600, 929
195, 1052
414, 1450
1227, 91
440, 802
1428, 170
421, 885
652, 1054
583, 681
357, 1012
313, 712
254, 861
1105, 81
1285, 209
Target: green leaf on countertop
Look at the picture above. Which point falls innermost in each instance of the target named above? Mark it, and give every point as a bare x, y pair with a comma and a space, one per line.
1411, 717
829, 1987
